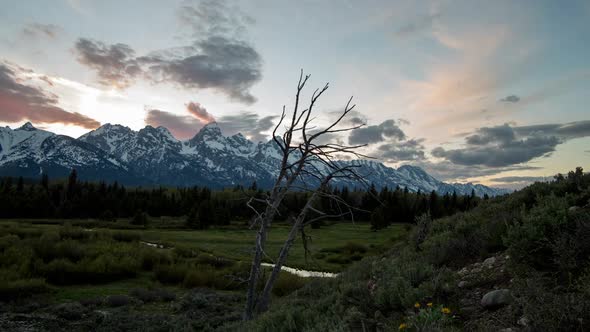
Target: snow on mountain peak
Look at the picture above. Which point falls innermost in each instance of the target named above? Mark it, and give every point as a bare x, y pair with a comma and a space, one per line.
27, 126
153, 156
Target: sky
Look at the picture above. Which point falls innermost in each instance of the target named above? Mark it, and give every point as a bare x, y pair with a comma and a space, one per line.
491, 92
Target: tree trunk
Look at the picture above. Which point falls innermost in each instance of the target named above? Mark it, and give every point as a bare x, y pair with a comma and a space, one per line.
264, 300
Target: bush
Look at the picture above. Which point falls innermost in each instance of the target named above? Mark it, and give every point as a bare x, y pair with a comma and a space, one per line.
165, 295
287, 283
118, 300
126, 236
144, 295
170, 274
67, 231
140, 219
151, 258
7, 241
12, 290
201, 278
214, 261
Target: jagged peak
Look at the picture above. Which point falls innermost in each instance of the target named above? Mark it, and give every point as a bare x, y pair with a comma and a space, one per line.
27, 126
209, 131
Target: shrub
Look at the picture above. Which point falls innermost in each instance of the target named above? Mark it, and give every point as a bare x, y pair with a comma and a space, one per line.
151, 258
185, 252
107, 216
126, 236
287, 283
67, 231
12, 290
7, 241
165, 295
201, 278
92, 302
118, 300
144, 295
140, 219
170, 274
214, 261
428, 318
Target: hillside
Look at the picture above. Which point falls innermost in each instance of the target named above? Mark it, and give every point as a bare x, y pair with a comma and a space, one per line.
518, 262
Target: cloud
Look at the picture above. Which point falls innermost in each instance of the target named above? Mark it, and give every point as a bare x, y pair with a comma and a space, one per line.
199, 112
227, 65
218, 58
448, 171
214, 17
38, 30
181, 126
248, 123
422, 23
377, 133
521, 179
401, 151
511, 99
506, 145
20, 102
115, 64
184, 127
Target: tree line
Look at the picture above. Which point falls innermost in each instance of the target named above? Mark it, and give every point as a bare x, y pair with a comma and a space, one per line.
202, 207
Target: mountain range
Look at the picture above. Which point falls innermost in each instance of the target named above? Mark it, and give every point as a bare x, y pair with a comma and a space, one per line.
152, 157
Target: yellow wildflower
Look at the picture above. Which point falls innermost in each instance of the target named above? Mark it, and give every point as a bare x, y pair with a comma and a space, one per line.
446, 311
429, 304
403, 326
417, 305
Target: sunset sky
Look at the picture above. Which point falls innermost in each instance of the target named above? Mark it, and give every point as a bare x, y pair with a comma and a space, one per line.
496, 92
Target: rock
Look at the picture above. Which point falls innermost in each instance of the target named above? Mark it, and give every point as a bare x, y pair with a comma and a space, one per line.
69, 311
489, 262
468, 311
573, 208
508, 329
523, 321
462, 284
496, 299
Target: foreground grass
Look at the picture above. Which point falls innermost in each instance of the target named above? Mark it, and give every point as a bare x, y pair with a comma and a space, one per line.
328, 245
55, 257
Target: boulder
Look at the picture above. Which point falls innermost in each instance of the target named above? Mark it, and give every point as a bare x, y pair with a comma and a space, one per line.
69, 311
496, 298
489, 262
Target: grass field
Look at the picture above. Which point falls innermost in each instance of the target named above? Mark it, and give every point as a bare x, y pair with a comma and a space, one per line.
332, 248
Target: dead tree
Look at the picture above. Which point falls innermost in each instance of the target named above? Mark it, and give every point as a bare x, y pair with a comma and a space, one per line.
308, 164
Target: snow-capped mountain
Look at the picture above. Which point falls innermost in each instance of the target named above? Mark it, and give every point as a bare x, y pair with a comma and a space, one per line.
152, 156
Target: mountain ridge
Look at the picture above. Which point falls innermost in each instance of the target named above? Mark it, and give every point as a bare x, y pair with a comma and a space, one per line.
152, 156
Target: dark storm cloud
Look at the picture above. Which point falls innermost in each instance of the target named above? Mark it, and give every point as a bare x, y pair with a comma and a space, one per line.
218, 58
247, 123
20, 102
38, 30
401, 151
182, 127
227, 65
115, 64
505, 145
378, 133
511, 99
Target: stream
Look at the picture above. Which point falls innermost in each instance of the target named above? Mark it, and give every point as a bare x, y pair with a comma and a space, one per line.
297, 272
